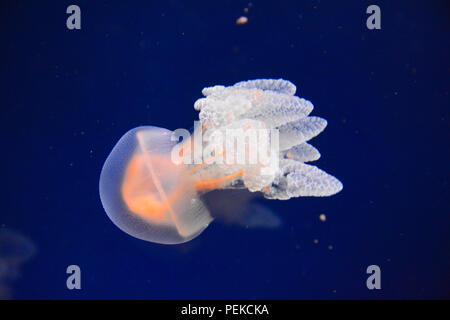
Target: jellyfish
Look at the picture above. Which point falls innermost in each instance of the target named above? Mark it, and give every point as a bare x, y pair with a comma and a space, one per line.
15, 250
252, 135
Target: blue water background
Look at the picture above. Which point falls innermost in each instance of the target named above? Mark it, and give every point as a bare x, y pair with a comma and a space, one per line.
67, 96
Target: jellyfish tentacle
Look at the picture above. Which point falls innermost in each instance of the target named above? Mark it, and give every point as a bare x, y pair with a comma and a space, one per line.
215, 184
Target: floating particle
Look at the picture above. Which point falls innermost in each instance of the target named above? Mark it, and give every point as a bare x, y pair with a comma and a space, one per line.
245, 10
241, 21
330, 247
316, 241
323, 217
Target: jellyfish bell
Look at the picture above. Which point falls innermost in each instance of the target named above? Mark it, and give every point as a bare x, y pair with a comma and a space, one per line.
146, 194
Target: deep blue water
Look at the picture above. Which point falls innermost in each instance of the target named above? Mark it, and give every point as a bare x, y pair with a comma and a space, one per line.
67, 96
